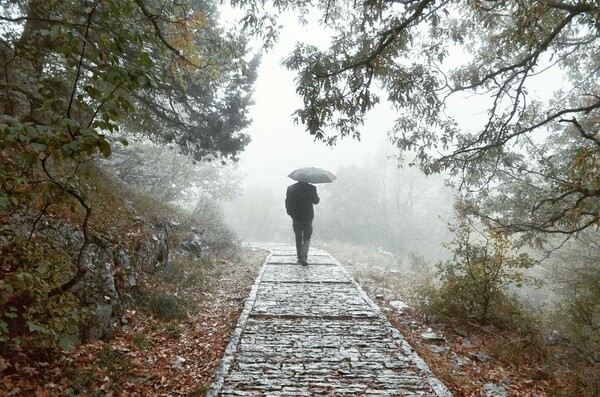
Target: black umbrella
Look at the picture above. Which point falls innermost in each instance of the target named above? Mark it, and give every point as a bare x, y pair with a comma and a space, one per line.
312, 175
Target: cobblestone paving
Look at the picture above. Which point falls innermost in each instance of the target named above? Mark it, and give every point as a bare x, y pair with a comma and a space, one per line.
312, 331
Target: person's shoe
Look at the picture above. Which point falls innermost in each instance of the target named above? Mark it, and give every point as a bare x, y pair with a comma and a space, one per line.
304, 263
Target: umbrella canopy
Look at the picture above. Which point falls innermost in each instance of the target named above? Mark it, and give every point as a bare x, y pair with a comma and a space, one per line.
312, 175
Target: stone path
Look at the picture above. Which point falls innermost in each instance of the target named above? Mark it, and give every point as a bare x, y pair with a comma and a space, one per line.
312, 331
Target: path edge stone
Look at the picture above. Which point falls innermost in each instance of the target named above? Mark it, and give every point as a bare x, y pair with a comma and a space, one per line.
437, 385
229, 354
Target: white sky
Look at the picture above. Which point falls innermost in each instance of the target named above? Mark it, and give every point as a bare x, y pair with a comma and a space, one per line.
278, 145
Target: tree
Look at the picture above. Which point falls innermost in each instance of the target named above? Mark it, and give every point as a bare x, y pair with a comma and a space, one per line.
170, 177
474, 281
402, 50
352, 207
576, 278
258, 214
383, 205
166, 71
75, 76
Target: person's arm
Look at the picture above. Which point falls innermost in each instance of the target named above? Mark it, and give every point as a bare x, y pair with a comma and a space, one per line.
287, 201
316, 198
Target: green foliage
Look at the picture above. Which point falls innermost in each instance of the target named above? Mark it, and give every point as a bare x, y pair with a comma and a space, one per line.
96, 64
142, 341
577, 280
474, 281
581, 311
30, 316
84, 383
181, 288
164, 305
174, 331
199, 391
187, 271
115, 363
75, 74
171, 177
208, 215
75, 78
113, 359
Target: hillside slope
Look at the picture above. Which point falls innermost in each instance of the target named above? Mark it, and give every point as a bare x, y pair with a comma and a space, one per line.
151, 315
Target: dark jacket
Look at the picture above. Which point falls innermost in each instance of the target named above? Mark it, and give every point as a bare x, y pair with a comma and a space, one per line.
299, 201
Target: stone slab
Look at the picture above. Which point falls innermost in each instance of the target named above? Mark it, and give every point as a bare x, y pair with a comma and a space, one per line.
304, 274
320, 356
310, 300
312, 259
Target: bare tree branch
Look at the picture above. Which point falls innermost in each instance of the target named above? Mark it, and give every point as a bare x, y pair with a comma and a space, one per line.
582, 131
80, 268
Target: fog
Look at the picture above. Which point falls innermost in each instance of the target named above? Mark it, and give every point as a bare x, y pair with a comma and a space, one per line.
373, 202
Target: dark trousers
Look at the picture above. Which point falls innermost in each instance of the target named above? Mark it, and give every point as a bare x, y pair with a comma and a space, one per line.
303, 231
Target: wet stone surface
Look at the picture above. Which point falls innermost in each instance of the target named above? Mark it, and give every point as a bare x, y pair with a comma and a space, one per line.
304, 274
315, 260
315, 356
311, 331
311, 300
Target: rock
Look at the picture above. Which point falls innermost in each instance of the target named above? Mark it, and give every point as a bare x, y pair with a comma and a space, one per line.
430, 318
493, 390
438, 349
412, 324
141, 379
438, 327
432, 337
153, 254
399, 305
461, 332
459, 361
384, 252
466, 342
113, 265
178, 362
194, 245
97, 291
482, 357
471, 343
557, 339
126, 277
172, 223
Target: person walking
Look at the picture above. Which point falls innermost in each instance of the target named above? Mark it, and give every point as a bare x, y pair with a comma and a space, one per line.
299, 201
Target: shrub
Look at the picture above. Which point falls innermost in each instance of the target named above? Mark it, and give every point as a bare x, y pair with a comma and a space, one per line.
208, 215
174, 331
165, 306
30, 315
577, 279
142, 341
474, 281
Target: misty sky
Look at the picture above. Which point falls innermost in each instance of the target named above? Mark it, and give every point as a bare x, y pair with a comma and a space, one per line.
279, 146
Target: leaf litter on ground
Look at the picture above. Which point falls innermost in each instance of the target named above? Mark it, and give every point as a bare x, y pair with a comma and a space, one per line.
149, 357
